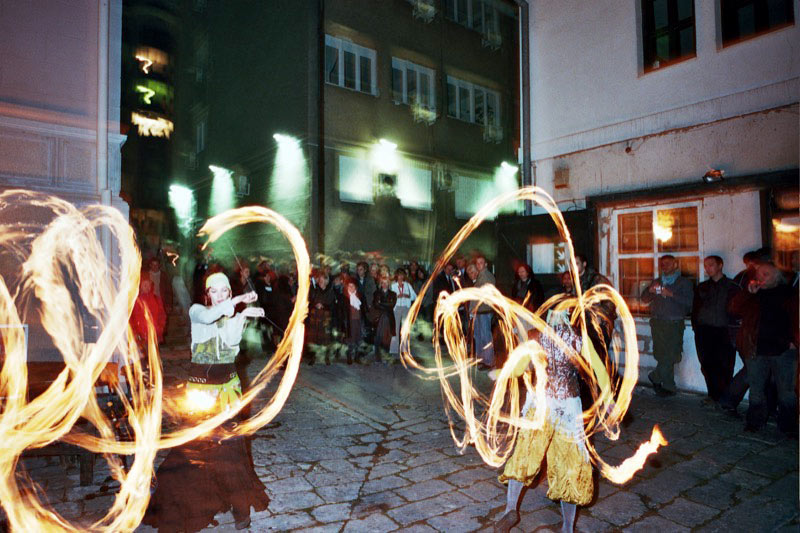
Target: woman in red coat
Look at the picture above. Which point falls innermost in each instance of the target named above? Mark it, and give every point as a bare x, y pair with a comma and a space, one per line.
147, 299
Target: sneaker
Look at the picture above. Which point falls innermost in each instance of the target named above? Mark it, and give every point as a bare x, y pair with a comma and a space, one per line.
506, 522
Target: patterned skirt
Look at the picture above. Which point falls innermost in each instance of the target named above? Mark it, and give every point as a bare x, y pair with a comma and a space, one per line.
569, 472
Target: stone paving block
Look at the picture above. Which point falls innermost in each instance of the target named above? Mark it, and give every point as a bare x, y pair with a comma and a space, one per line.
535, 520
485, 491
619, 509
336, 465
371, 437
386, 469
378, 502
333, 527
455, 522
348, 430
784, 488
688, 513
397, 434
425, 509
425, 458
744, 480
533, 499
699, 468
772, 467
345, 492
755, 514
392, 456
374, 523
265, 521
426, 427
419, 528
286, 470
362, 462
470, 476
664, 487
312, 455
432, 470
292, 501
394, 444
336, 512
289, 484
367, 449
384, 483
320, 478
715, 493
655, 524
585, 523
425, 489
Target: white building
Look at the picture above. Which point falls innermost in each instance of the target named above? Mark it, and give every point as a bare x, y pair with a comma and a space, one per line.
59, 107
634, 101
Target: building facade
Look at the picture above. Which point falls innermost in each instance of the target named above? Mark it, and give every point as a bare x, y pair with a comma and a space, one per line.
637, 104
376, 127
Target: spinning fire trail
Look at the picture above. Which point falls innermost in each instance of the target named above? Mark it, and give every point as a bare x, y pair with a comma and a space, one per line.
65, 251
494, 432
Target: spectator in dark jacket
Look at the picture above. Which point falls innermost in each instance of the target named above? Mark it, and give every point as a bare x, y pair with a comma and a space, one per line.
321, 301
353, 313
670, 299
769, 340
527, 288
382, 313
710, 323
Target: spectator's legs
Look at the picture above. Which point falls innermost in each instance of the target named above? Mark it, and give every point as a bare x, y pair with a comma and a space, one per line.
484, 348
736, 390
716, 357
785, 372
667, 349
758, 370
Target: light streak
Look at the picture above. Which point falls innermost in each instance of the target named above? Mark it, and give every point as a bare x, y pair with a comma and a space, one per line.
494, 429
148, 93
66, 250
146, 65
173, 258
156, 127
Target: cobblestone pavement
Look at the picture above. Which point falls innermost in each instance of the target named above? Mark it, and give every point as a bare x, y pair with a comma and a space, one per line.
367, 448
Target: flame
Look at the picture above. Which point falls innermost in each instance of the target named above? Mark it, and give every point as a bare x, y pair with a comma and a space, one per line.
146, 65
622, 473
67, 251
156, 127
494, 432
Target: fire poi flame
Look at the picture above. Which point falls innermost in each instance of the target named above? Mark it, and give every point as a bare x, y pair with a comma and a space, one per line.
66, 251
493, 433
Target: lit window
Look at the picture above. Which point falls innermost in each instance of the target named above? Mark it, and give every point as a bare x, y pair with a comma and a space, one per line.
349, 65
471, 194
644, 235
667, 32
743, 19
473, 103
413, 84
355, 180
414, 186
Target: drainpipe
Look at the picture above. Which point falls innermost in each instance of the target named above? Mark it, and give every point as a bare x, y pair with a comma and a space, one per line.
525, 94
102, 116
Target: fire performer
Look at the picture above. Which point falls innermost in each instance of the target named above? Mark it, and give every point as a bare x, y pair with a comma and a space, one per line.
562, 438
207, 476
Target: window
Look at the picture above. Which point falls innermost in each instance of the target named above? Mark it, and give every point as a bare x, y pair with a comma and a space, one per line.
743, 19
667, 32
413, 84
355, 180
473, 103
349, 65
471, 194
479, 15
644, 235
414, 186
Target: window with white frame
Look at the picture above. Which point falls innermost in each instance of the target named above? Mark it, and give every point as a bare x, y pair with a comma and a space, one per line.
414, 185
349, 65
473, 103
642, 235
413, 84
479, 15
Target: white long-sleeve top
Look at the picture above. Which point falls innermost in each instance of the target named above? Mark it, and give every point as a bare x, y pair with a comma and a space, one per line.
208, 323
405, 295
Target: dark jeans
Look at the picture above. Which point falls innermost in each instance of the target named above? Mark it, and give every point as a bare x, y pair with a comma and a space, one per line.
667, 350
784, 370
717, 357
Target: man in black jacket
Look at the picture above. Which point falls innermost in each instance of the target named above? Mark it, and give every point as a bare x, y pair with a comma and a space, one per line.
710, 323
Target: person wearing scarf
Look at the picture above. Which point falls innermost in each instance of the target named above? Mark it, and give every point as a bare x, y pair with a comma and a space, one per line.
670, 297
353, 312
208, 476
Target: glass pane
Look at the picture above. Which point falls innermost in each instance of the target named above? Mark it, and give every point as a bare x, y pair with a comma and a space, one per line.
366, 74
676, 230
461, 11
332, 65
690, 268
662, 46
779, 12
424, 88
411, 86
397, 85
479, 106
660, 14
635, 275
786, 242
747, 20
635, 233
349, 70
477, 15
685, 9
687, 41
491, 109
452, 100
464, 111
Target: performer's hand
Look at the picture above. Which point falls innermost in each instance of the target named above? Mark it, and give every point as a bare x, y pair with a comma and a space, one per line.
248, 298
253, 312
